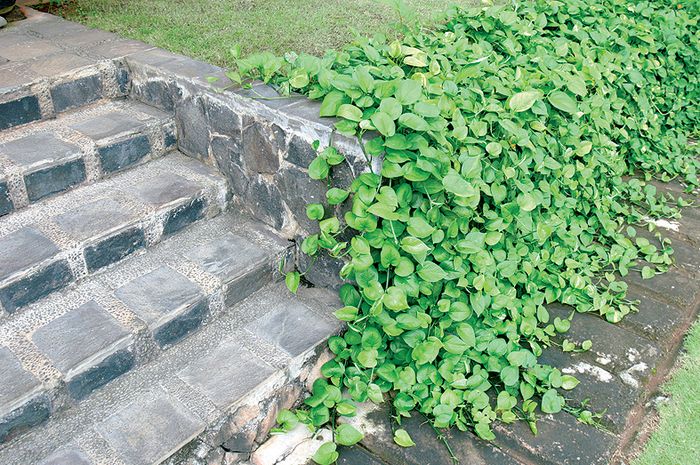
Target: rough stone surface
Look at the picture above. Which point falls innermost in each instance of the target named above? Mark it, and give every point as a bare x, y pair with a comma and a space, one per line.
150, 430
32, 413
67, 457
227, 374
300, 152
108, 125
184, 215
92, 219
227, 257
261, 148
31, 288
193, 131
40, 148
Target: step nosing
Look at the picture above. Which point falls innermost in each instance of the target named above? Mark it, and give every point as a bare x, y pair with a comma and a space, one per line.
123, 343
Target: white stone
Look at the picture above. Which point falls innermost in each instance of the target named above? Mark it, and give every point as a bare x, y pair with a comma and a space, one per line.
301, 455
280, 446
583, 367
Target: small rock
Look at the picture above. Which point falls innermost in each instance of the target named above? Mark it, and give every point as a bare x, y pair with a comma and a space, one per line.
3, 22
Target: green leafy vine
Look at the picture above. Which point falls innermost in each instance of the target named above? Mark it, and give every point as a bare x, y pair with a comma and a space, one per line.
508, 137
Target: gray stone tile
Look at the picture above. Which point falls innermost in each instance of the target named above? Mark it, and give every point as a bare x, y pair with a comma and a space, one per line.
77, 336
293, 328
22, 249
94, 219
227, 374
164, 189
159, 295
67, 457
15, 381
58, 63
149, 430
27, 49
42, 148
228, 256
119, 48
33, 412
107, 125
56, 27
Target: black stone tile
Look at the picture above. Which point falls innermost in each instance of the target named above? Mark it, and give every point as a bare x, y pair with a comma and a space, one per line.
675, 286
32, 288
98, 375
182, 325
114, 248
300, 152
659, 321
6, 205
76, 93
21, 111
192, 128
55, 179
184, 215
32, 413
122, 154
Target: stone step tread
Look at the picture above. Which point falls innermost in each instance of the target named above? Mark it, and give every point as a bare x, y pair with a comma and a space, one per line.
79, 147
63, 239
63, 348
187, 395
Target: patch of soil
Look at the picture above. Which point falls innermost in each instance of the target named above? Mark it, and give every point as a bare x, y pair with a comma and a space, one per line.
63, 8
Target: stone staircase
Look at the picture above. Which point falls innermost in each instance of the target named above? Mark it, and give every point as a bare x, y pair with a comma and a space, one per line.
142, 318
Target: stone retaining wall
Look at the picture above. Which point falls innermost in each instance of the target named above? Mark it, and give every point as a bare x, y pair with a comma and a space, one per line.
260, 141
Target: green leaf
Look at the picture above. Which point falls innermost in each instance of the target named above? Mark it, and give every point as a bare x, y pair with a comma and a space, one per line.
347, 313
318, 168
347, 435
315, 211
326, 454
408, 92
648, 272
332, 102
552, 402
431, 272
568, 382
563, 101
384, 123
349, 112
336, 196
413, 121
402, 438
292, 279
523, 101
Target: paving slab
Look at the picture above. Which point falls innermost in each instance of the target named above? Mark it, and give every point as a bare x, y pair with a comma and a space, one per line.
22, 249
67, 457
228, 373
149, 430
228, 256
171, 305
88, 346
292, 329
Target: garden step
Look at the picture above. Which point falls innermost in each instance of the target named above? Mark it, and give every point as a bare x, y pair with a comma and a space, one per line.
60, 350
222, 386
65, 238
79, 147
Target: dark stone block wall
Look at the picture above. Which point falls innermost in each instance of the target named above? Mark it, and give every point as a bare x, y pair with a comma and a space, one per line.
260, 141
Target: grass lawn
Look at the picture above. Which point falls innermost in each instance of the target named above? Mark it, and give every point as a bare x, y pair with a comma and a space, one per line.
677, 440
206, 29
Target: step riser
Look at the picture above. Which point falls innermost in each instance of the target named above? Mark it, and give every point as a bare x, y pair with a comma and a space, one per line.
92, 161
44, 99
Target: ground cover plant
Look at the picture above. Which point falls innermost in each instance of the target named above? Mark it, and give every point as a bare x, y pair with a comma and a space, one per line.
507, 136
